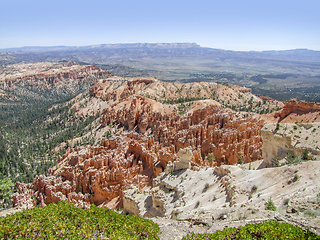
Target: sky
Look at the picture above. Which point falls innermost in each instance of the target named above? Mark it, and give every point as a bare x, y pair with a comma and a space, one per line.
226, 24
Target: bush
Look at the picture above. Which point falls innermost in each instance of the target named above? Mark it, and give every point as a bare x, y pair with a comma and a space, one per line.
64, 221
6, 188
210, 158
275, 162
291, 159
240, 160
270, 205
295, 178
206, 186
266, 230
305, 154
254, 188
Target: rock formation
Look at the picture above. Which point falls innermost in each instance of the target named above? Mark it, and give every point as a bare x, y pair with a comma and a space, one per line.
155, 137
299, 107
210, 130
289, 138
42, 74
99, 174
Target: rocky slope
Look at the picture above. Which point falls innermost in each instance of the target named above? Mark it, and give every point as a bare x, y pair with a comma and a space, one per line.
211, 199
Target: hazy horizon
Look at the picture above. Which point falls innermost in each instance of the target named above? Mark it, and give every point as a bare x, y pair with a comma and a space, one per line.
231, 25
91, 45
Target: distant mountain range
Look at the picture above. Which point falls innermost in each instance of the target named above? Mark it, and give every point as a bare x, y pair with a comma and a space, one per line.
175, 50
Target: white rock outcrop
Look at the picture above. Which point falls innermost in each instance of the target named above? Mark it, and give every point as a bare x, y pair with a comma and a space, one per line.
282, 138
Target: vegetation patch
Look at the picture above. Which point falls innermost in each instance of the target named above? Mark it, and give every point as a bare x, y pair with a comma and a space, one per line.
266, 230
29, 133
64, 221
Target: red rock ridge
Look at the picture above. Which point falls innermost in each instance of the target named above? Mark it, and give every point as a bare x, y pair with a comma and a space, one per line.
54, 75
299, 107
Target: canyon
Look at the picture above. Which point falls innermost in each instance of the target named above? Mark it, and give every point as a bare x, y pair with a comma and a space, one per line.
100, 174
176, 150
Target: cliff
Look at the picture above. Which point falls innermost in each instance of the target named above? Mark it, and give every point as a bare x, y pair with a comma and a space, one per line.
298, 107
47, 75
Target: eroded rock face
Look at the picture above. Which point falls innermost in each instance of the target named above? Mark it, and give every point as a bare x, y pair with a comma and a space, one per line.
99, 174
300, 107
154, 138
228, 190
43, 74
185, 155
208, 130
45, 81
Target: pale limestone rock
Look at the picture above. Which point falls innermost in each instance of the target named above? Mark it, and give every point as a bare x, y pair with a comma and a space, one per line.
222, 170
185, 155
169, 168
282, 138
130, 206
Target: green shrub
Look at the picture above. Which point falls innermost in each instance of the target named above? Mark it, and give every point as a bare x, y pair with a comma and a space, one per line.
295, 178
291, 159
305, 154
266, 230
270, 205
210, 158
240, 160
64, 221
6, 188
275, 162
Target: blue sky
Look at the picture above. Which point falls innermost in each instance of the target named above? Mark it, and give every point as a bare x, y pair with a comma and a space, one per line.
227, 24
